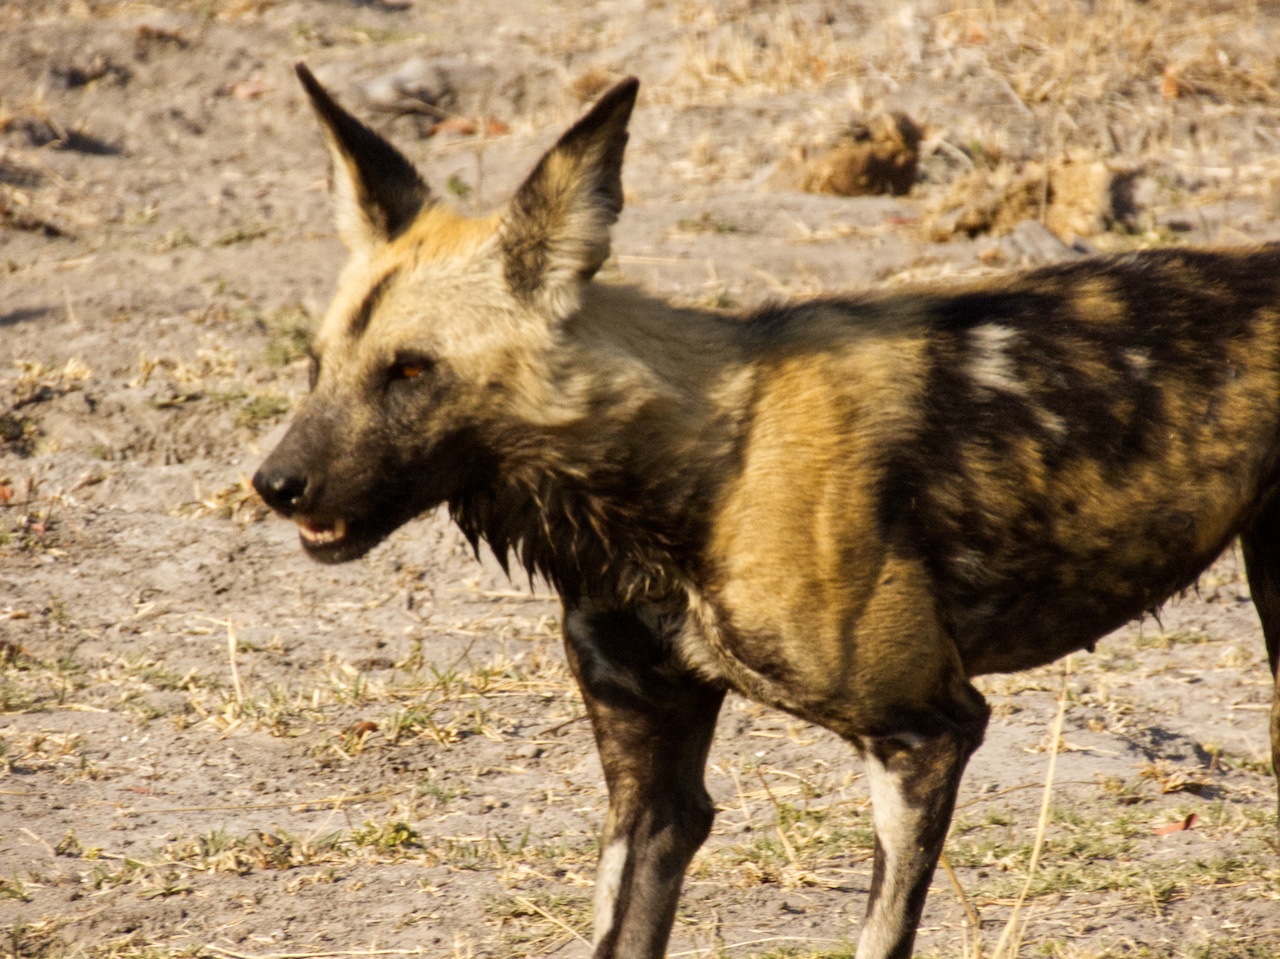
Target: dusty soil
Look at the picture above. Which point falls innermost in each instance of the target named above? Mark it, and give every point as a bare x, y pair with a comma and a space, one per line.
210, 747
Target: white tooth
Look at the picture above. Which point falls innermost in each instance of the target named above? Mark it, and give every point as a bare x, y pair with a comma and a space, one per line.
323, 537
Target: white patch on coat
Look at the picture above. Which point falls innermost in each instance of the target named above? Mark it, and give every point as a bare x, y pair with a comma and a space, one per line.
992, 366
1052, 422
1139, 362
608, 884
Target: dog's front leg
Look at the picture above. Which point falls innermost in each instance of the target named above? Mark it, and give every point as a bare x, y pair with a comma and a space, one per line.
913, 780
653, 726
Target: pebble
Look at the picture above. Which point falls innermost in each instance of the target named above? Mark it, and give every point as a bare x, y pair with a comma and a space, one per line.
415, 82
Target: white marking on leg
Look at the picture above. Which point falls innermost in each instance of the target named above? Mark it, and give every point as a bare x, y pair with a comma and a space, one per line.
898, 827
608, 884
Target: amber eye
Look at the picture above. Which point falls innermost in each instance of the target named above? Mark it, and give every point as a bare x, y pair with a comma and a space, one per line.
409, 368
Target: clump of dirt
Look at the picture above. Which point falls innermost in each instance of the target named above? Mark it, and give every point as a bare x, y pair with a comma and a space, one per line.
1073, 198
873, 158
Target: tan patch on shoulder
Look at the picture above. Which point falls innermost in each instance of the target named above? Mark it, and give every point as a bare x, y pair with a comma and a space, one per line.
795, 537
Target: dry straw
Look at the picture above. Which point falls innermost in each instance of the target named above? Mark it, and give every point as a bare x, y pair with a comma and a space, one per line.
1010, 941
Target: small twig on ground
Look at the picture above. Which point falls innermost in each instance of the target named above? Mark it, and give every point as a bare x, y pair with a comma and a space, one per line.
1011, 938
777, 808
320, 954
52, 852
231, 649
559, 726
529, 904
235, 671
987, 797
755, 942
287, 804
742, 799
968, 908
1155, 903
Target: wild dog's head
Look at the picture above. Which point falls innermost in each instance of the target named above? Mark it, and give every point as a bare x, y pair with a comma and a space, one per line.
442, 329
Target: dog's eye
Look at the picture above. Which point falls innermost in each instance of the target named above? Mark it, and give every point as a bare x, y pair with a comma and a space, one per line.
409, 367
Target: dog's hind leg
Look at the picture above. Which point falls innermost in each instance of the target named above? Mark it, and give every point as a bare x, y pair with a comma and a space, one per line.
653, 726
914, 776
1261, 545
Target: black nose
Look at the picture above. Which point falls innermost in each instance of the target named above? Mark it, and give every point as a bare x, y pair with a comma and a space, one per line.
281, 490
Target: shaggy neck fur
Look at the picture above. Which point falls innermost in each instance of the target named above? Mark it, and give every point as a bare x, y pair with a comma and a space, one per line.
615, 503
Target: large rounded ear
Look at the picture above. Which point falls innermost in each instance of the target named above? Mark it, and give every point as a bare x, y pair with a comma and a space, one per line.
376, 190
555, 234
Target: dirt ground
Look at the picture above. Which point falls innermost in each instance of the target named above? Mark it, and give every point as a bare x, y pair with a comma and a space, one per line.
210, 747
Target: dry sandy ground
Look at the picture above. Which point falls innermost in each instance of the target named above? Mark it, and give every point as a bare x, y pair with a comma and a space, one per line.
210, 747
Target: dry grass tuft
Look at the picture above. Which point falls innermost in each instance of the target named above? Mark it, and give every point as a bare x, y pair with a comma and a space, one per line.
1079, 55
37, 382
590, 83
732, 53
1185, 85
239, 502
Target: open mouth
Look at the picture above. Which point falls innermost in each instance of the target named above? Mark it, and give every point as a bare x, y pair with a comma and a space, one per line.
336, 541
322, 535
332, 540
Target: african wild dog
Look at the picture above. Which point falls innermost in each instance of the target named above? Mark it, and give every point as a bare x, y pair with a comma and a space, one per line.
844, 508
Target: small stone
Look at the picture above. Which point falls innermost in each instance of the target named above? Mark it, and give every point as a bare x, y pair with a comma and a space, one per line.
415, 83
1031, 243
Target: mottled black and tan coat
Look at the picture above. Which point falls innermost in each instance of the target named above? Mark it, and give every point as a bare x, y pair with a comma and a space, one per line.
845, 508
